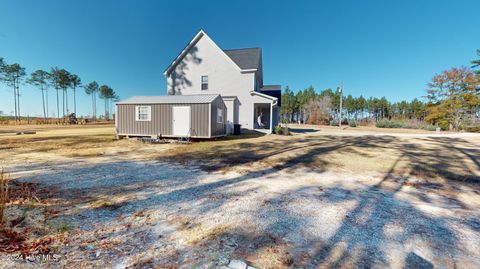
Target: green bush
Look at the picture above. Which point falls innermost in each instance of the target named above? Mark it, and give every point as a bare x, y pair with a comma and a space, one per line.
388, 124
278, 129
405, 124
352, 123
281, 130
333, 123
428, 127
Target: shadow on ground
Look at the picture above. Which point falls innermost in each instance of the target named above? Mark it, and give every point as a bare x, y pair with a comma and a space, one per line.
362, 238
302, 130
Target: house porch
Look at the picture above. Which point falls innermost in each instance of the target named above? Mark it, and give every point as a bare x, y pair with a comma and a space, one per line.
262, 115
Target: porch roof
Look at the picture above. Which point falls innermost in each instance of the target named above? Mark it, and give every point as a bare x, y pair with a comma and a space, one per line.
268, 97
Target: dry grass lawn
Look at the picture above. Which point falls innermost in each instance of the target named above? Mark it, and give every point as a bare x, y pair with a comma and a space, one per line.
321, 198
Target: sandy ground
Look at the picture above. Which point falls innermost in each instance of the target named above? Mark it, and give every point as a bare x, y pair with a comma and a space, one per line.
321, 198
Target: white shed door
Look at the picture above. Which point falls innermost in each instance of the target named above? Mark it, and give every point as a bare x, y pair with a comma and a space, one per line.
181, 120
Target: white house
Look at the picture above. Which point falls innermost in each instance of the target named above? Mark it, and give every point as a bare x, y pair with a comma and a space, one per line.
237, 75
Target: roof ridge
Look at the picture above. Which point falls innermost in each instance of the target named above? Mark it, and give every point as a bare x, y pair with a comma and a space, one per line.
242, 48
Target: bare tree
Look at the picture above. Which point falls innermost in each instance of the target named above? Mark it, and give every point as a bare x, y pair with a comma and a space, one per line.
318, 110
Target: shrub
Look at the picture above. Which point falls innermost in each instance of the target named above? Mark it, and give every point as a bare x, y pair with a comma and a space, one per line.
473, 129
318, 110
352, 123
411, 124
419, 125
333, 123
281, 130
388, 124
278, 129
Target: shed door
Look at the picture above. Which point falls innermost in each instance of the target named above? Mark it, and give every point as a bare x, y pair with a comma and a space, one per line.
181, 120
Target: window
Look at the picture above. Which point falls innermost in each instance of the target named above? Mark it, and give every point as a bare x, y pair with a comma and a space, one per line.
204, 83
219, 115
143, 113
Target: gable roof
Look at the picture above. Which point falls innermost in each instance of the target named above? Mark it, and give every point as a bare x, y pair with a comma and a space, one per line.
245, 58
171, 99
184, 52
263, 95
277, 93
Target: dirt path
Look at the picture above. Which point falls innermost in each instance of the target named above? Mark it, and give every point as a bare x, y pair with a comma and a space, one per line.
313, 200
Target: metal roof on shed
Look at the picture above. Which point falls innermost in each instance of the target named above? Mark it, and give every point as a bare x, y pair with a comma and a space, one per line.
170, 99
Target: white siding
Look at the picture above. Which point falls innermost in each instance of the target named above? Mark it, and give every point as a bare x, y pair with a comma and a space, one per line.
205, 58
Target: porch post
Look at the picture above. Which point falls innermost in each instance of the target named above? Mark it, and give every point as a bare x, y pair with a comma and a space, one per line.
271, 118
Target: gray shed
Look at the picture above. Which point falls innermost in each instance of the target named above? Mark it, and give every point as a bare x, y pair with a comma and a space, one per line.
198, 116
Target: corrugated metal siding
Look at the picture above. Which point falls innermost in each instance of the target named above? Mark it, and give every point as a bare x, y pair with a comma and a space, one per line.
199, 119
161, 120
218, 128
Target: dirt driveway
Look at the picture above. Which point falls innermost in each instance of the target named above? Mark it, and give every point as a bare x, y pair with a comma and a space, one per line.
322, 198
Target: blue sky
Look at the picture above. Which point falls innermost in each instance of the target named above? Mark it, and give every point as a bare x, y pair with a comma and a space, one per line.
377, 48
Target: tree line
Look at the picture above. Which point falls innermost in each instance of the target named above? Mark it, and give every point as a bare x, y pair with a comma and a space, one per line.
452, 102
297, 107
61, 80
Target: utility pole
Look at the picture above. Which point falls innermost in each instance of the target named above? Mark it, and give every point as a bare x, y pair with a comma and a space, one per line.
340, 90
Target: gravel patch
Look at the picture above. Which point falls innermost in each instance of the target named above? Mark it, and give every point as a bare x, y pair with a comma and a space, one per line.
126, 212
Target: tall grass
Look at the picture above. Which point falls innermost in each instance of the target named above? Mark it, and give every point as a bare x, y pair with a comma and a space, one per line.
473, 128
3, 195
408, 124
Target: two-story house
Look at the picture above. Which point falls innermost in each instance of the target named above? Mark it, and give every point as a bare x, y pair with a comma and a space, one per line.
237, 75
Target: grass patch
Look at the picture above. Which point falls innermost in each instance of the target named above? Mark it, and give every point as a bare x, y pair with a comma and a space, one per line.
106, 204
197, 233
273, 256
352, 123
63, 227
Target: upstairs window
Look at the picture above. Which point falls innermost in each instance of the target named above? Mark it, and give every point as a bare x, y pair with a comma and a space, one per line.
143, 113
204, 83
219, 115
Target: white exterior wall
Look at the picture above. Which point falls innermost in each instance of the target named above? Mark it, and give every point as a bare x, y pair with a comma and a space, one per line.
230, 104
205, 58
